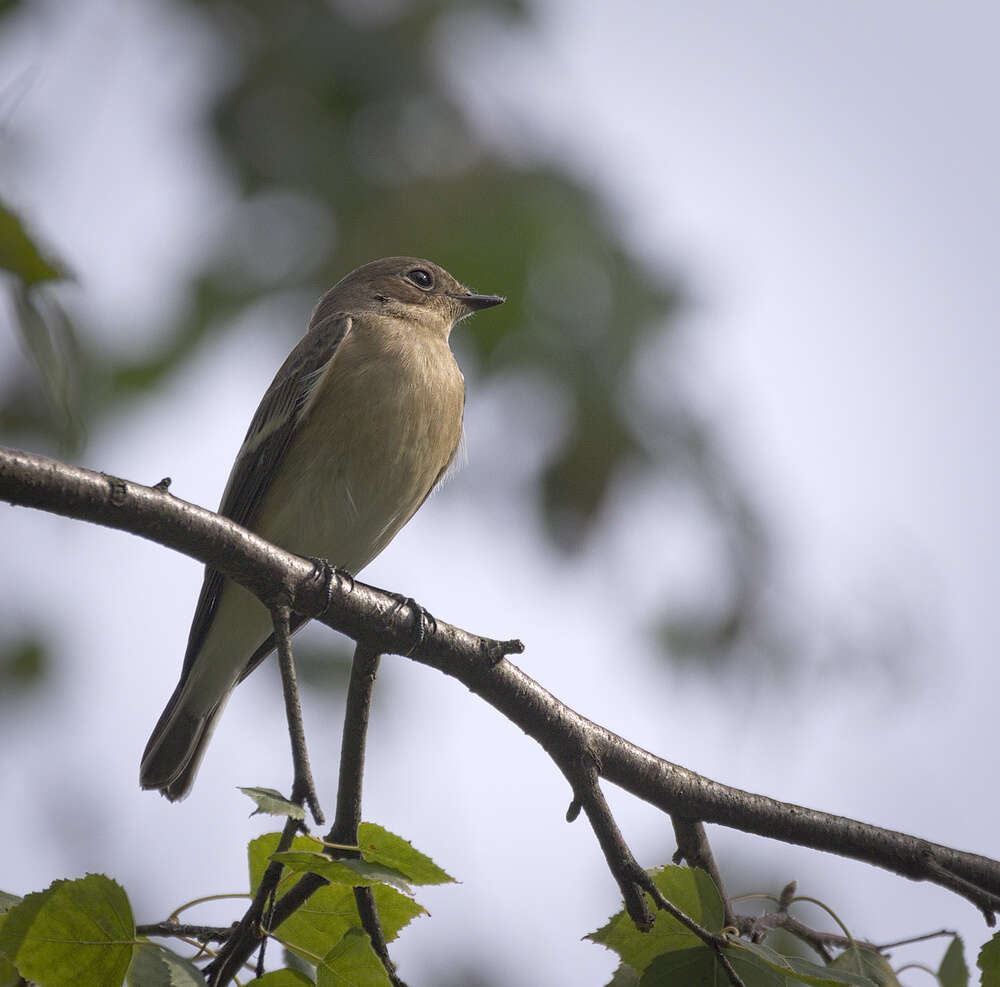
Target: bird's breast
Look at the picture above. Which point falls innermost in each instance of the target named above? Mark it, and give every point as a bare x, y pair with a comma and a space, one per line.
378, 431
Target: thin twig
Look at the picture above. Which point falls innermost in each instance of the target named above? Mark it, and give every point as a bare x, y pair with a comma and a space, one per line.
357, 712
364, 898
202, 933
632, 880
912, 939
303, 786
365, 613
693, 847
939, 872
756, 927
249, 932
344, 830
821, 942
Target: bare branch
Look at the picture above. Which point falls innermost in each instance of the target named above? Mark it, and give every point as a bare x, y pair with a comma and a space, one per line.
203, 933
693, 846
755, 927
374, 617
303, 786
357, 712
632, 880
250, 929
344, 831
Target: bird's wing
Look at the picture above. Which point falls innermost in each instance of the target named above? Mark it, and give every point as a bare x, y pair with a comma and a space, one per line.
266, 443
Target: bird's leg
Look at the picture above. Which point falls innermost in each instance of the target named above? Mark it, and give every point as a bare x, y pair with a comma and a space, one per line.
303, 787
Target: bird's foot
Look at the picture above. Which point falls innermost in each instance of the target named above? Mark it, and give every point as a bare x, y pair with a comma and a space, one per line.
425, 623
330, 574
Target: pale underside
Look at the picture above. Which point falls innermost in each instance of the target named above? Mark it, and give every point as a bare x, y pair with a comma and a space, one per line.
342, 495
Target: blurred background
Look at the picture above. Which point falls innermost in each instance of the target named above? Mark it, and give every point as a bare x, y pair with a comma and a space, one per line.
732, 455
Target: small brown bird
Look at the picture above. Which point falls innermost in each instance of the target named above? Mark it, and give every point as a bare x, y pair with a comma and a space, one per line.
359, 425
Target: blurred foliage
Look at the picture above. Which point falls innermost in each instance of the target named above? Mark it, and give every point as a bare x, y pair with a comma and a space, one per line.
47, 335
23, 664
341, 132
20, 255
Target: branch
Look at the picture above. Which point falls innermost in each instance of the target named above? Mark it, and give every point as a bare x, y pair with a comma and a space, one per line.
631, 878
248, 933
374, 617
303, 786
754, 927
203, 933
693, 846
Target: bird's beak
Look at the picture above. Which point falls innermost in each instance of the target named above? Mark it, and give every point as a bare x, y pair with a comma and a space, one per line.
476, 302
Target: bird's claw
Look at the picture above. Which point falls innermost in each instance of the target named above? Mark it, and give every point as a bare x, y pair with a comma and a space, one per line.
330, 574
425, 622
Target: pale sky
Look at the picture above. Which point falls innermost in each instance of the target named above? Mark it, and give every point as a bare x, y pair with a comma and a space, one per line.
824, 177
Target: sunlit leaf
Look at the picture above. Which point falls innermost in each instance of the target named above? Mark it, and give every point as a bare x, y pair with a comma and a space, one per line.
273, 803
379, 846
353, 873
74, 934
281, 978
692, 891
314, 929
954, 972
157, 966
352, 963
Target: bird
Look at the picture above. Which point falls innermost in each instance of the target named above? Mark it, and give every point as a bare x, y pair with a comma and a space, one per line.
359, 425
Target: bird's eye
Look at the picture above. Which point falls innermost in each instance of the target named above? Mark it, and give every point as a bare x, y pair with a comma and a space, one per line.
421, 278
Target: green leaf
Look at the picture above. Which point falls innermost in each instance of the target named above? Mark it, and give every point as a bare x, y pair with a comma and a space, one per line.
8, 901
802, 970
156, 966
954, 972
353, 873
75, 933
379, 846
989, 962
281, 978
313, 930
273, 803
9, 977
701, 968
23, 663
316, 927
625, 976
692, 891
20, 255
866, 963
352, 963
259, 853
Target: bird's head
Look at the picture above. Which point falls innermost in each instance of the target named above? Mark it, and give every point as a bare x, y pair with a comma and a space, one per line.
407, 288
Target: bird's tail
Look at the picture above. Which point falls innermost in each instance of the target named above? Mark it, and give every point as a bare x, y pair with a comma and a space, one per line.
177, 745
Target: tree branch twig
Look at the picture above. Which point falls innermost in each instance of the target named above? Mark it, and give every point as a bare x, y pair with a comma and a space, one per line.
303, 786
693, 846
373, 617
203, 933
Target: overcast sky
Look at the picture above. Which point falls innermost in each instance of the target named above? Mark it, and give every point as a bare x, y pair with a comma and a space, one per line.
824, 176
